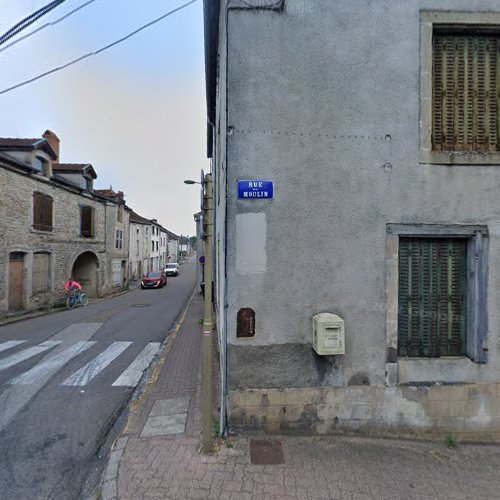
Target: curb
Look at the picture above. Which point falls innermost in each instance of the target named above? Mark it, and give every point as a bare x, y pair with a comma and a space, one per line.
109, 486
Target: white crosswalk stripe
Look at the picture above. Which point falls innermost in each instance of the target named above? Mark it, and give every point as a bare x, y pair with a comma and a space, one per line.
25, 354
91, 369
131, 376
52, 364
10, 344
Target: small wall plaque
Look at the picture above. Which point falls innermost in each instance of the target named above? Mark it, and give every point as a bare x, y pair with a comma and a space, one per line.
255, 190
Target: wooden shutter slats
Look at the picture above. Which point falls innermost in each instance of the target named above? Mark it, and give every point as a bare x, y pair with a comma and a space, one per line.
465, 93
432, 284
42, 212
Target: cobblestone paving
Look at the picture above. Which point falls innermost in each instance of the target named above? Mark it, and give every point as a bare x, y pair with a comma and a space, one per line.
170, 467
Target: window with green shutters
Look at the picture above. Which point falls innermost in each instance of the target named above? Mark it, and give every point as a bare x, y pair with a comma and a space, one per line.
432, 313
465, 89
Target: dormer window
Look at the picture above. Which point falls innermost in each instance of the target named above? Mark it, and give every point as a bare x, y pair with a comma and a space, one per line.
41, 165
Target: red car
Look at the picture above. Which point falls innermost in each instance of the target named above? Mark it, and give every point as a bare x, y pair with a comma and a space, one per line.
154, 279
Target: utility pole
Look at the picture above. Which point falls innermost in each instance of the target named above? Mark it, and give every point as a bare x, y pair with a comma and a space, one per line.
206, 362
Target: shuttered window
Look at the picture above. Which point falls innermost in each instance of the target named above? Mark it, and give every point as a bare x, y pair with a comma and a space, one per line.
466, 83
42, 212
86, 221
432, 297
41, 272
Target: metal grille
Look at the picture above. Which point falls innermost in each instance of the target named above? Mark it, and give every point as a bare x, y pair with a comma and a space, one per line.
465, 97
432, 297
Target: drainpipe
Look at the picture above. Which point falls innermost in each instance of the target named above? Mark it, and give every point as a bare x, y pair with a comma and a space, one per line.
206, 345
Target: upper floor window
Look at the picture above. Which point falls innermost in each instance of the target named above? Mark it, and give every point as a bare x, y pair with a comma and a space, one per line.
119, 214
87, 221
41, 165
465, 99
42, 212
119, 239
153, 246
459, 88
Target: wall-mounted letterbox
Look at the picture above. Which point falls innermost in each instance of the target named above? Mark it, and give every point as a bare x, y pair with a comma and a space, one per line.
328, 334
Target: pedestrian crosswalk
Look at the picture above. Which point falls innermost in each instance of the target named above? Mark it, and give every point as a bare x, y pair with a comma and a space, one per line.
55, 360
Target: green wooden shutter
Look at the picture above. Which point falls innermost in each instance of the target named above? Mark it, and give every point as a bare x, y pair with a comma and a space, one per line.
465, 99
432, 297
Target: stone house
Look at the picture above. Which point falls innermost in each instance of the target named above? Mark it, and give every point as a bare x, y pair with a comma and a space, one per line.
117, 241
51, 226
172, 246
377, 124
139, 252
154, 255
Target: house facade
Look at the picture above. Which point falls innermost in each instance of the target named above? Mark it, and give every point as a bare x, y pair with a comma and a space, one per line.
117, 242
139, 246
377, 123
50, 228
172, 246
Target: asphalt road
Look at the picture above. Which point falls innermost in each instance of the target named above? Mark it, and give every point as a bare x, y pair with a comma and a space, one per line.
66, 377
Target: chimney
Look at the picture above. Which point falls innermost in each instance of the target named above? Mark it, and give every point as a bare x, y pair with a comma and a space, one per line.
54, 141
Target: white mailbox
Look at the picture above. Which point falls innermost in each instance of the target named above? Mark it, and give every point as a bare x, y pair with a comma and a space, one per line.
328, 334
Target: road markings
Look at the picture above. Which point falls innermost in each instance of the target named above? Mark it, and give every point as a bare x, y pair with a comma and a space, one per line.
10, 344
52, 364
131, 376
91, 369
14, 359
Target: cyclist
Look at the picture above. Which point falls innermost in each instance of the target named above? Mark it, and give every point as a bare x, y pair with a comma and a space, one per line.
72, 286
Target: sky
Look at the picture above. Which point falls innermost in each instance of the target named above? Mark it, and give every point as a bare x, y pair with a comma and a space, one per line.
136, 112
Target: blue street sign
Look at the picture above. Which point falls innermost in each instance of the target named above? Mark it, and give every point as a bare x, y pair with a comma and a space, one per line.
253, 190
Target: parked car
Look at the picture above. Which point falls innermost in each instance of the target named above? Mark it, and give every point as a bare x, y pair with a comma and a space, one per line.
172, 269
154, 279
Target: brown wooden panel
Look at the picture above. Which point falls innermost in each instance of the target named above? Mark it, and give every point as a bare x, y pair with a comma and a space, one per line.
16, 282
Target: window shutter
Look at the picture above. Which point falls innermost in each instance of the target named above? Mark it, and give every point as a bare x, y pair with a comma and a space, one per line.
87, 221
41, 272
47, 213
37, 211
432, 297
465, 93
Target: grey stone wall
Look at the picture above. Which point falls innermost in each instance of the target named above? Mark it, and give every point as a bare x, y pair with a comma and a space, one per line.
325, 102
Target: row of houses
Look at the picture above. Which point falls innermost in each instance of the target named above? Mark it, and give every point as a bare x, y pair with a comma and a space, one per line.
54, 225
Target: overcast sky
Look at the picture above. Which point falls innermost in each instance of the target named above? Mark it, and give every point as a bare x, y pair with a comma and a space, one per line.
136, 112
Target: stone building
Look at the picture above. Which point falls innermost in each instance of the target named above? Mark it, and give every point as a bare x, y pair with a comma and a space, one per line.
117, 241
139, 246
378, 124
51, 226
172, 246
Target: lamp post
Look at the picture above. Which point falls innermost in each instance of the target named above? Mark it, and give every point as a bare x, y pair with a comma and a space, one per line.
206, 359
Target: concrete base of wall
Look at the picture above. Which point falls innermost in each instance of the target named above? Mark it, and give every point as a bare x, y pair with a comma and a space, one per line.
469, 412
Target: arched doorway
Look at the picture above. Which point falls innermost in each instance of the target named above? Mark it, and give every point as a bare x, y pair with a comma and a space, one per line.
85, 271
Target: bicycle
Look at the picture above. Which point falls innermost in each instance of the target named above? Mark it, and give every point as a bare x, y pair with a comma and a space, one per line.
76, 298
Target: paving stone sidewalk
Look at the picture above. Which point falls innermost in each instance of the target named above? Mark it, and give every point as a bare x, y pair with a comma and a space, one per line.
158, 455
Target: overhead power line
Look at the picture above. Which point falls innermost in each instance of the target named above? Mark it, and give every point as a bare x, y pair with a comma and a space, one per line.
21, 25
46, 25
94, 53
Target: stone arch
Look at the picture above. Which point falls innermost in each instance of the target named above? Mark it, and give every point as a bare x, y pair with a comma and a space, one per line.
85, 270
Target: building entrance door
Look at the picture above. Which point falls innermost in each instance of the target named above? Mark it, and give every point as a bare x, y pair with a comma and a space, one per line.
16, 281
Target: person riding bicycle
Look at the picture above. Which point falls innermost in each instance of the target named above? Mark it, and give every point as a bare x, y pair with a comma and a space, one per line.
72, 286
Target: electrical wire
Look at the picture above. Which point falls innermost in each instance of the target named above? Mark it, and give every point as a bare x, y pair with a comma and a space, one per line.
46, 25
94, 53
21, 25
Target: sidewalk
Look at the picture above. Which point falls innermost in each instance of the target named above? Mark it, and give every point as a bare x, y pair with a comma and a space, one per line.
157, 456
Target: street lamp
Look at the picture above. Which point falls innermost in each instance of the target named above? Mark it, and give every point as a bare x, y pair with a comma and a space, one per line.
206, 346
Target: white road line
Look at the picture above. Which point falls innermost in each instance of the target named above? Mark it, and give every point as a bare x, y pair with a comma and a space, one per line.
51, 364
131, 376
10, 344
91, 369
14, 359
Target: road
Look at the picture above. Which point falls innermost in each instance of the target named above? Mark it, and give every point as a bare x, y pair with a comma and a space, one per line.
66, 377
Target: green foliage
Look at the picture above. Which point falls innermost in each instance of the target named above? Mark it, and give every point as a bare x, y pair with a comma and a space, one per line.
450, 440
